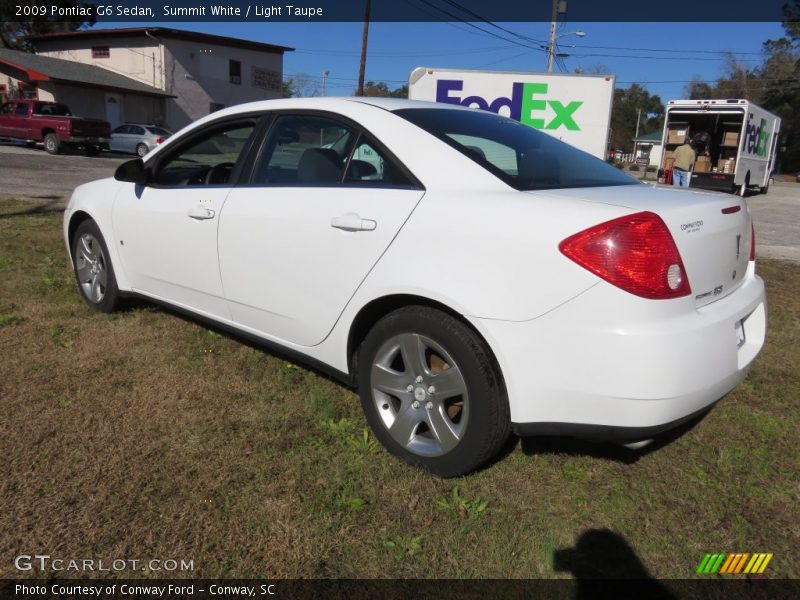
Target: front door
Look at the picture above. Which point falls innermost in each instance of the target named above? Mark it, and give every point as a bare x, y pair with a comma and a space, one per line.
167, 230
323, 205
114, 109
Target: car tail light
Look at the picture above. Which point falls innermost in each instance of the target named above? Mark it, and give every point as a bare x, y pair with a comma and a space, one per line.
752, 241
635, 253
159, 139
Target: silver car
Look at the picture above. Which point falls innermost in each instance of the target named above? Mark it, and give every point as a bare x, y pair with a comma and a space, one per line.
137, 138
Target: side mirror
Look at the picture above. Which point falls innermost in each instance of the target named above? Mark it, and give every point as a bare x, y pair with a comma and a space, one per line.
132, 171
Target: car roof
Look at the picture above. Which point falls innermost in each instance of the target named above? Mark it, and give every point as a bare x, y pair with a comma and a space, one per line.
332, 103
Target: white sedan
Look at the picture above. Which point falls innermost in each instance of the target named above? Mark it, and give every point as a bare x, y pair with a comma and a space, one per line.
470, 275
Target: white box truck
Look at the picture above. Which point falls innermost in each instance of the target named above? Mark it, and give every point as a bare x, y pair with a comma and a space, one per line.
573, 108
742, 142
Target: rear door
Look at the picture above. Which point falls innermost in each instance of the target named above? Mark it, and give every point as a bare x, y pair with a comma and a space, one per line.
324, 202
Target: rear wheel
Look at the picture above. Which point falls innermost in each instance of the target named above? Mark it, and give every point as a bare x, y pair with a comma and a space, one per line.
93, 270
51, 143
141, 150
431, 391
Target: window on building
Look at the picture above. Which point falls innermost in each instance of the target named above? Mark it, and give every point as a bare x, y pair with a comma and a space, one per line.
215, 106
101, 52
235, 71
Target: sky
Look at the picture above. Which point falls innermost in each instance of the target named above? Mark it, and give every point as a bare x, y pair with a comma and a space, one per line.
661, 56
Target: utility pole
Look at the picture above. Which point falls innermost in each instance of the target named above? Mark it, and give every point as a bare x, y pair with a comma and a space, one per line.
363, 66
638, 118
325, 74
551, 46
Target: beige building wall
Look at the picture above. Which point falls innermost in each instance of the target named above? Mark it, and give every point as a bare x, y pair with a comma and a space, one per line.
199, 75
196, 72
139, 57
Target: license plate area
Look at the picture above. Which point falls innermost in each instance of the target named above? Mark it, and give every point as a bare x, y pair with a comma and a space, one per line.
739, 331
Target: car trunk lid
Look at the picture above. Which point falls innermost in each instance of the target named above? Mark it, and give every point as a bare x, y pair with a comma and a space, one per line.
712, 231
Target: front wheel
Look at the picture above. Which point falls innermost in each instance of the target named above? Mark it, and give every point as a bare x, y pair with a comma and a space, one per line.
431, 391
93, 270
141, 150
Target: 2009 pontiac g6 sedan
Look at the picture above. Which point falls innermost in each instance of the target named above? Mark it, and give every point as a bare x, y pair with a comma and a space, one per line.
471, 275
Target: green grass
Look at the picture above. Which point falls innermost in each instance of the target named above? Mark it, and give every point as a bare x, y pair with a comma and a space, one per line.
143, 434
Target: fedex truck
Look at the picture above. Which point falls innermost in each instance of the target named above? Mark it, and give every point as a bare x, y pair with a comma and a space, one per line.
736, 142
574, 108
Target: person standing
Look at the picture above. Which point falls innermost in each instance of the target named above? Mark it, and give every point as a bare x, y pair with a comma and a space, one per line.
682, 167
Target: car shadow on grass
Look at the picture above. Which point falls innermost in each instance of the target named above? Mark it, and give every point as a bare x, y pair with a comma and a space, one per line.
606, 450
53, 205
603, 561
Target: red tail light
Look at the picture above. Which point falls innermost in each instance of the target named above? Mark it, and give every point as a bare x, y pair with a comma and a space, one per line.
752, 241
159, 139
635, 253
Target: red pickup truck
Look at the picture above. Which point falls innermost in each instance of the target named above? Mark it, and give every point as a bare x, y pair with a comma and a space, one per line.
52, 124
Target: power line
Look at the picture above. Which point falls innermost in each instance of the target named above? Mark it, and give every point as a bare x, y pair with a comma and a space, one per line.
538, 48
671, 50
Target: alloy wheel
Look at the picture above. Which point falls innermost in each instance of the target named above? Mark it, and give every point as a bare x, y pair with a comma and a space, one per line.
91, 268
420, 394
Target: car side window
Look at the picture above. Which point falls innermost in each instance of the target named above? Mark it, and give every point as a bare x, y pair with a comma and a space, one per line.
208, 159
121, 129
7, 109
305, 150
22, 109
368, 165
503, 157
136, 130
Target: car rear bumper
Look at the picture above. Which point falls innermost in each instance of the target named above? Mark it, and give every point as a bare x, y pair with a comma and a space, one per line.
608, 365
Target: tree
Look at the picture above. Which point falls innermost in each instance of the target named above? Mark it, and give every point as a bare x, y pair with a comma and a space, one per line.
13, 34
627, 104
380, 89
301, 85
697, 89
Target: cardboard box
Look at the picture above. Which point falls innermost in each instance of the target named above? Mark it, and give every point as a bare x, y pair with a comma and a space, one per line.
702, 165
676, 134
730, 138
726, 165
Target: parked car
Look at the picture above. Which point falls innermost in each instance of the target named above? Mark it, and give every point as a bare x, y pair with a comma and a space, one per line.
52, 124
474, 278
137, 138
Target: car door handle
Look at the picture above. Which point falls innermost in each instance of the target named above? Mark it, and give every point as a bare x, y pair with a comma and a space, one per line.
353, 222
200, 213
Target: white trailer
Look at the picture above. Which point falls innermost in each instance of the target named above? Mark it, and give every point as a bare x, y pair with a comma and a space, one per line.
574, 108
743, 140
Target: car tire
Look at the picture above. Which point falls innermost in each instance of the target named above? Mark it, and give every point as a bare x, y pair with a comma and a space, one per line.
141, 150
51, 143
94, 272
450, 430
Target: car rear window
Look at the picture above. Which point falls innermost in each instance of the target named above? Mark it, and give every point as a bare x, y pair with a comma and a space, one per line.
158, 131
523, 157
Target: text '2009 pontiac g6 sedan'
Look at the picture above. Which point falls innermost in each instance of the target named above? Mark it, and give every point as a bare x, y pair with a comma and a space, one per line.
473, 277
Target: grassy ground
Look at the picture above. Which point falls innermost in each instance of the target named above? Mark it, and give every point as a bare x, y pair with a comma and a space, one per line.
145, 435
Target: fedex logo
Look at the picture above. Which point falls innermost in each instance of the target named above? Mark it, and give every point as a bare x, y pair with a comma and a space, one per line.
756, 137
525, 101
